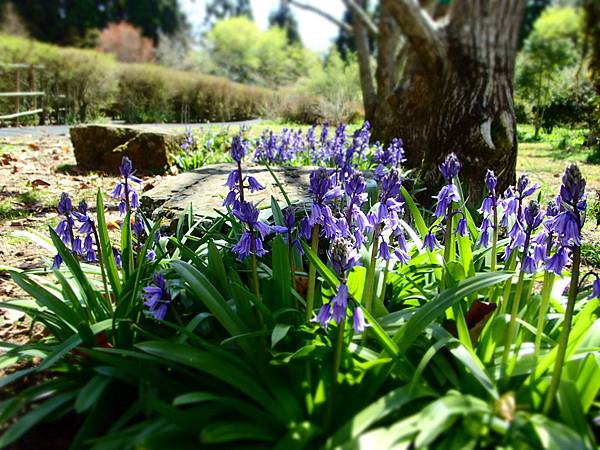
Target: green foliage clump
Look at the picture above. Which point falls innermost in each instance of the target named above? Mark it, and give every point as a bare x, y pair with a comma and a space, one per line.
85, 85
242, 52
550, 87
330, 93
174, 342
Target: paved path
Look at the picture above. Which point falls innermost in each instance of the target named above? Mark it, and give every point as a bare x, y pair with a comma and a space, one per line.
63, 130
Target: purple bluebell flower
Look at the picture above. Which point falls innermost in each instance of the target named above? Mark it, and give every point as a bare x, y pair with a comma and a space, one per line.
118, 261
250, 242
491, 181
344, 258
124, 191
151, 255
430, 242
484, 237
488, 208
64, 228
56, 261
254, 185
340, 303
461, 227
390, 156
567, 224
325, 315
450, 167
65, 205
595, 288
324, 193
157, 296
358, 320
239, 148
557, 262
528, 265
189, 142
447, 195
137, 226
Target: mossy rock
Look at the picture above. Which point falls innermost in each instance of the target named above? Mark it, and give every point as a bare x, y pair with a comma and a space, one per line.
101, 147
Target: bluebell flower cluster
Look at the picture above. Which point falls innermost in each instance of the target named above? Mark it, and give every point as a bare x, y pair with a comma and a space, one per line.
568, 218
189, 142
324, 193
489, 208
324, 148
157, 296
237, 181
385, 220
343, 257
446, 200
124, 191
254, 230
80, 240
512, 217
391, 156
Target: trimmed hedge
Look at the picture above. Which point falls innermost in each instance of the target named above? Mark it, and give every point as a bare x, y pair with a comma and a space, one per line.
86, 84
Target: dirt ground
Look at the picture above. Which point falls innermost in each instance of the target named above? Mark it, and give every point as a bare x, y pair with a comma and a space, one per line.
34, 171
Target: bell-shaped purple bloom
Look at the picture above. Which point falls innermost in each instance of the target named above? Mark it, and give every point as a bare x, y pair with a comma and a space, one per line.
595, 288
157, 296
65, 206
447, 195
430, 242
528, 265
325, 314
343, 255
358, 320
484, 237
567, 228
462, 228
557, 262
57, 261
572, 190
450, 167
340, 303
239, 148
254, 185
533, 215
491, 181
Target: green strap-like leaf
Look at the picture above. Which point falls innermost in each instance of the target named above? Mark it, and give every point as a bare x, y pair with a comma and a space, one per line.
433, 309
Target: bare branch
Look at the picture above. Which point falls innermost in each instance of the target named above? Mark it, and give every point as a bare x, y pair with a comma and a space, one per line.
420, 30
340, 23
362, 15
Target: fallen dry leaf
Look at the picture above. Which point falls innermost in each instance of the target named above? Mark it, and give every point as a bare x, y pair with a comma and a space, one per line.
114, 225
39, 182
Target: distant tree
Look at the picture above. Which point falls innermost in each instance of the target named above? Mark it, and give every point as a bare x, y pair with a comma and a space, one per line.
548, 62
68, 22
12, 23
533, 10
174, 50
283, 17
344, 42
242, 52
443, 81
223, 9
126, 42
592, 31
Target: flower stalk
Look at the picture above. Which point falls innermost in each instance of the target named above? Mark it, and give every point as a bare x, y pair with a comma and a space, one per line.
312, 273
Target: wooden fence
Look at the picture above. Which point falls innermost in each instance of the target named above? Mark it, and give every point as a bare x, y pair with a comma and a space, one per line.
26, 102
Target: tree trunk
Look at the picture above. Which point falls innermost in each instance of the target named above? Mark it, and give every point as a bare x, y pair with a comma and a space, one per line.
464, 103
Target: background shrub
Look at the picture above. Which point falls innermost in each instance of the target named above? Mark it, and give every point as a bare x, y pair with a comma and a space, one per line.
82, 85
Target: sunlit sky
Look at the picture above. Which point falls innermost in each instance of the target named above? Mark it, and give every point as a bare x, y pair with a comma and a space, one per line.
317, 33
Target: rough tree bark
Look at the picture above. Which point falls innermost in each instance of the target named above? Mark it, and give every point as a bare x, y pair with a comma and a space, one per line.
444, 83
